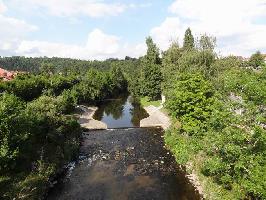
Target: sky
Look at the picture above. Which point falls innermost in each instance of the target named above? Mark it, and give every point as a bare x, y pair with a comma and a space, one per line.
101, 29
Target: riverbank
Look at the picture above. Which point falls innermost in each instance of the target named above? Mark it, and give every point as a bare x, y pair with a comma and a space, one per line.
159, 118
183, 149
86, 121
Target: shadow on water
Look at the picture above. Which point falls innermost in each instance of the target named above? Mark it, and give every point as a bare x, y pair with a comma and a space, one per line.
124, 164
121, 112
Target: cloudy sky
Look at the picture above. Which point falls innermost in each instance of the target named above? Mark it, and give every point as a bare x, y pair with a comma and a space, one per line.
99, 29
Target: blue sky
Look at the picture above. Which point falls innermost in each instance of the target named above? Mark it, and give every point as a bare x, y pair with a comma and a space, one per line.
99, 29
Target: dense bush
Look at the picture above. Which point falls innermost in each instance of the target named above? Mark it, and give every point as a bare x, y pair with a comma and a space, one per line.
233, 144
26, 87
36, 141
191, 100
218, 111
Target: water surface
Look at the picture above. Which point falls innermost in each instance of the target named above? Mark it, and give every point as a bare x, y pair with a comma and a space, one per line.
120, 113
124, 164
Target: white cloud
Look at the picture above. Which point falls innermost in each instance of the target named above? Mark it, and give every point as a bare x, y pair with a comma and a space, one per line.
170, 30
3, 8
101, 43
233, 22
99, 46
12, 31
73, 8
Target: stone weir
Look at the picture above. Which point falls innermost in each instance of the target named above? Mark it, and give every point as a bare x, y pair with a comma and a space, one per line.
85, 118
156, 118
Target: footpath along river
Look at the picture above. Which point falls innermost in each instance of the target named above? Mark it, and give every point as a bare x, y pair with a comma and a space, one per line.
123, 162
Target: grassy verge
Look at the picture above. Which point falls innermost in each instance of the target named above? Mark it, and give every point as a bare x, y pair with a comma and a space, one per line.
146, 102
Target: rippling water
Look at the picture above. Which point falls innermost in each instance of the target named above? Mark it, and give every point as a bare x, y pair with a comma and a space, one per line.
124, 164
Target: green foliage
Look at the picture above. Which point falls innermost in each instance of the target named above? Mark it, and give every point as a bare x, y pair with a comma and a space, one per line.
13, 132
207, 43
256, 60
205, 93
36, 141
151, 81
37, 134
188, 43
150, 76
95, 85
191, 100
56, 65
232, 145
170, 64
152, 56
146, 102
176, 61
179, 146
27, 87
251, 85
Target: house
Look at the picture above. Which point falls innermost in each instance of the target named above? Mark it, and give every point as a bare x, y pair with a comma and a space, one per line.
6, 75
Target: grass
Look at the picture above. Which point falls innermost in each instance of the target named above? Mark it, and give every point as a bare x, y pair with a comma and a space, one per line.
146, 102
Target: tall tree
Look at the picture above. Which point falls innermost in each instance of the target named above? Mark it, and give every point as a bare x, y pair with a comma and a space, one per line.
256, 60
188, 43
151, 77
170, 64
207, 42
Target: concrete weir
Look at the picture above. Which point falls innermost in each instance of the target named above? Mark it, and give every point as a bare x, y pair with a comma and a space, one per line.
156, 118
86, 120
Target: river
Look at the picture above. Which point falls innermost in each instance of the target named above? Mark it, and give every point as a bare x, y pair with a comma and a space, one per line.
123, 163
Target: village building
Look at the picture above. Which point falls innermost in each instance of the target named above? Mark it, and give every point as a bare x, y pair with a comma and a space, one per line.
6, 75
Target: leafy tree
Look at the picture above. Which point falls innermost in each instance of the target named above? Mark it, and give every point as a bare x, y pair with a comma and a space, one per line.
188, 43
191, 100
170, 64
151, 72
207, 43
47, 68
256, 60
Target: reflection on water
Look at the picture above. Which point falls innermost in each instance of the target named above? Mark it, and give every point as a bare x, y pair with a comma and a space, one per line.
124, 164
121, 112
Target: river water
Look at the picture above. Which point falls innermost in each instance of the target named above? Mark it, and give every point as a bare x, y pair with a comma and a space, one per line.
124, 164
120, 113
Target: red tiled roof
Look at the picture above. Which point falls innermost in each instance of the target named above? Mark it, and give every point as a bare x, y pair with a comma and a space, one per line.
6, 75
